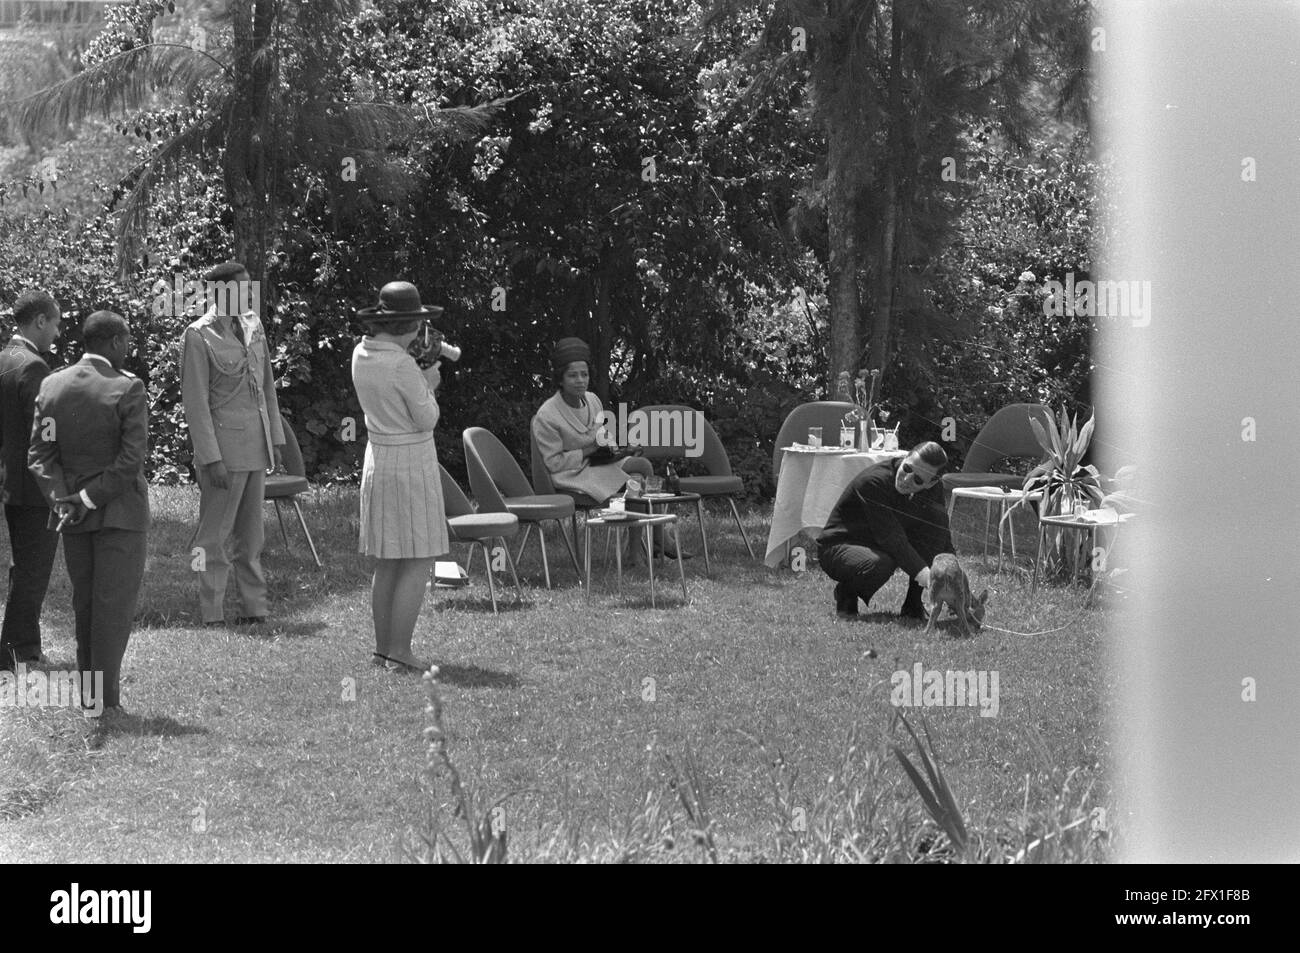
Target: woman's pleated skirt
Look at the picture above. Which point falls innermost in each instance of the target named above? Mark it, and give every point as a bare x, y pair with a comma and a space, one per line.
402, 514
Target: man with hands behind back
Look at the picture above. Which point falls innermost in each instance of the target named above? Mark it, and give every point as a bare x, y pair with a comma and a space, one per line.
88, 447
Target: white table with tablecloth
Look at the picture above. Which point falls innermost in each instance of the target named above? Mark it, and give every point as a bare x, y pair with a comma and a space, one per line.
810, 484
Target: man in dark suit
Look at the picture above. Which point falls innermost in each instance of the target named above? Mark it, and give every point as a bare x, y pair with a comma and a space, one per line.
88, 447
891, 517
31, 541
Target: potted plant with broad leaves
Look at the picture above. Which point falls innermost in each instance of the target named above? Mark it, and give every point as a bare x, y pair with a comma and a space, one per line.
1058, 485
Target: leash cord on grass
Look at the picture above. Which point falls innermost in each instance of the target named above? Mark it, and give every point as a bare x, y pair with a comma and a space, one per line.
1074, 617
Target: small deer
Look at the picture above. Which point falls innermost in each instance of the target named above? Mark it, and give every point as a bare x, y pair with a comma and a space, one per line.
948, 584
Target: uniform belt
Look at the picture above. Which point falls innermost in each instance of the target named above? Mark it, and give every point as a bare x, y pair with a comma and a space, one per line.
400, 439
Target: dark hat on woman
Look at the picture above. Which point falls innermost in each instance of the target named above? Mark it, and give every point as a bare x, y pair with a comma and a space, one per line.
227, 269
568, 350
398, 301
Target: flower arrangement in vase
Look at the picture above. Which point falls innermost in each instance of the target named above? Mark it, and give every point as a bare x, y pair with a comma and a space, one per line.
863, 400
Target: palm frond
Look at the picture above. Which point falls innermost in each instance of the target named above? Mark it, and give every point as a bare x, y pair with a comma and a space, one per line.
119, 83
351, 128
354, 127
190, 143
458, 124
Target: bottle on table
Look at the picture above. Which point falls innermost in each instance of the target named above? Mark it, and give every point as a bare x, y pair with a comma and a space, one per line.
672, 484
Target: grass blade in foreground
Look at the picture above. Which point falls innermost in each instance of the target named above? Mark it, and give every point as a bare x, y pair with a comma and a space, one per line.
937, 796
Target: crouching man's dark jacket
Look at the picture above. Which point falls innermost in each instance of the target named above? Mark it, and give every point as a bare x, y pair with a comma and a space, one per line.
872, 513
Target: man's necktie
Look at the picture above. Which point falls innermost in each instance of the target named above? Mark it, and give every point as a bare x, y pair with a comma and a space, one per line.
238, 327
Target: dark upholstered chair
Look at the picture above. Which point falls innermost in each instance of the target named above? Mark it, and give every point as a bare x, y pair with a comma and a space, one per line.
464, 525
499, 486
287, 486
718, 481
1007, 434
827, 414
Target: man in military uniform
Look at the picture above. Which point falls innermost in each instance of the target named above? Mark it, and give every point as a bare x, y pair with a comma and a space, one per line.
228, 390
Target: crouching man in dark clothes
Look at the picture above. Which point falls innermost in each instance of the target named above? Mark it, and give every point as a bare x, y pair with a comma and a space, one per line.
891, 517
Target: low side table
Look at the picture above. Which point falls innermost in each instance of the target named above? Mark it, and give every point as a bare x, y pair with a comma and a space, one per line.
638, 522
1074, 523
665, 500
1004, 499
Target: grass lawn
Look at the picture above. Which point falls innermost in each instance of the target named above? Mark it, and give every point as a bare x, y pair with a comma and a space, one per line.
245, 745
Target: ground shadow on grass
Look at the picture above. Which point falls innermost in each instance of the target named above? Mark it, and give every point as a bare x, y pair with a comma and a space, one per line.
172, 619
613, 601
53, 663
482, 606
30, 799
777, 579
282, 630
159, 726
169, 617
889, 617
474, 676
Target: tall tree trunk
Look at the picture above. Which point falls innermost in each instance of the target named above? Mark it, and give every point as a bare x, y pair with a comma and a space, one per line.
248, 139
847, 251
883, 310
601, 338
239, 191
843, 86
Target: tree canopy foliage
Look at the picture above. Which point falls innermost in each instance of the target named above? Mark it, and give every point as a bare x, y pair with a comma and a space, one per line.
655, 177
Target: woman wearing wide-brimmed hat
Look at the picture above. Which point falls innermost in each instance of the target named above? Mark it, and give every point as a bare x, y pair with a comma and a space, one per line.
403, 523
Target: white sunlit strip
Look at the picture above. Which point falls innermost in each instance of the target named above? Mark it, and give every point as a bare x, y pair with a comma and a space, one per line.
1197, 110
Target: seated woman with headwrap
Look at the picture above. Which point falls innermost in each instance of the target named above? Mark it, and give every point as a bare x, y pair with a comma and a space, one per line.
568, 431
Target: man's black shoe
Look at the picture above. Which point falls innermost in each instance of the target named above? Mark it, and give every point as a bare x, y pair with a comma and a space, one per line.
846, 602
912, 612
250, 620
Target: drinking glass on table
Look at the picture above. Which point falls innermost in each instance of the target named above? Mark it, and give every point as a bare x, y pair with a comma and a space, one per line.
654, 484
846, 436
814, 436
